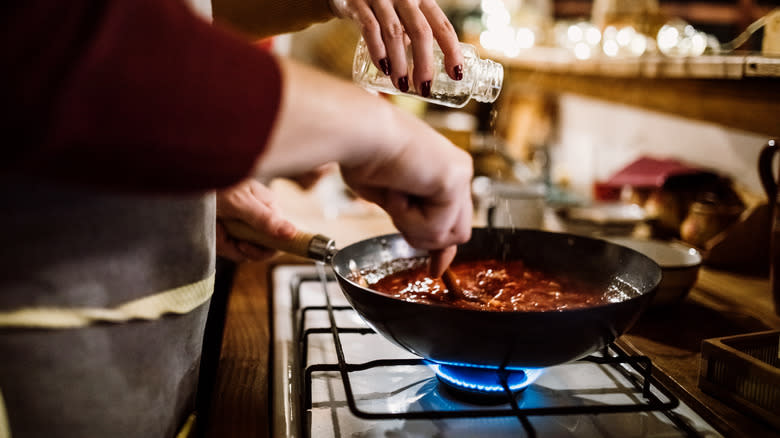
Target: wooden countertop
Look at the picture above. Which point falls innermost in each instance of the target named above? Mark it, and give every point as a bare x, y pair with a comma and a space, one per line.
720, 304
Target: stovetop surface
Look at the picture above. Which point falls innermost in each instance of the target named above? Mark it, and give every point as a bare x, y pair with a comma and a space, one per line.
316, 404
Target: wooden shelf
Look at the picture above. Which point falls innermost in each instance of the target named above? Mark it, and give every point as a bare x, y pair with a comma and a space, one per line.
733, 66
740, 91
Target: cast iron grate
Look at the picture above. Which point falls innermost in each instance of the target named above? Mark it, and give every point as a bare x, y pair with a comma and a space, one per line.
636, 369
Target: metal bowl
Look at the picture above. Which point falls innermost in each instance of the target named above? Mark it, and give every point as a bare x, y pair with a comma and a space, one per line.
679, 264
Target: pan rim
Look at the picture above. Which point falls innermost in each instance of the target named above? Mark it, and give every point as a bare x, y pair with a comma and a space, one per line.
646, 294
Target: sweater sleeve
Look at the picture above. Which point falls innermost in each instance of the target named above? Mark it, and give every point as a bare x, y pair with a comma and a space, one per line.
263, 18
138, 95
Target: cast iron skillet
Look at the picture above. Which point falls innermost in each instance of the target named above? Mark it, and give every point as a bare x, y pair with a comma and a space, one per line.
453, 335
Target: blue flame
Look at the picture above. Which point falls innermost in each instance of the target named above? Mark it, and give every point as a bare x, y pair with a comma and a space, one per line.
484, 379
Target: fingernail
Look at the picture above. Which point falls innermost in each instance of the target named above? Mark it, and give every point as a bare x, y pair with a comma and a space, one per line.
425, 89
384, 64
403, 84
458, 70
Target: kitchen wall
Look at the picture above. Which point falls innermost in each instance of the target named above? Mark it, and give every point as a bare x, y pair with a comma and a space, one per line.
596, 138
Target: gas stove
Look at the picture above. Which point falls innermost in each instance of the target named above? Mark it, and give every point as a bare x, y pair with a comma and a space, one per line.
333, 376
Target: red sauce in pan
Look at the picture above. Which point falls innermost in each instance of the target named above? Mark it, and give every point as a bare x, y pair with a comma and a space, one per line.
494, 285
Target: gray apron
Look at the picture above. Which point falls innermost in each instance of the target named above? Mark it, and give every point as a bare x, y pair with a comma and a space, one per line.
67, 247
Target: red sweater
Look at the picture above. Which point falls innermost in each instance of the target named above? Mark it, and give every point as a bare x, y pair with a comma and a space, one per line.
135, 95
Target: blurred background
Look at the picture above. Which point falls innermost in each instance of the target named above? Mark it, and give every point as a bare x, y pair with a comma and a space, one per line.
616, 117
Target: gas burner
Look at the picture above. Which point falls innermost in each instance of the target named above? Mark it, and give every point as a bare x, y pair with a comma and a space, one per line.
483, 385
385, 391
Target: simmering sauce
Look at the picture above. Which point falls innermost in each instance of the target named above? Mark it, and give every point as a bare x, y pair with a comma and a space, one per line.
494, 285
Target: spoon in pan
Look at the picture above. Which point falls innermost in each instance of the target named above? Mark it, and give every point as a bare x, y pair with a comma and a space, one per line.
440, 259
451, 281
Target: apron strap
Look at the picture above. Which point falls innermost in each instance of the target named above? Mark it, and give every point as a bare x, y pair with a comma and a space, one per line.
179, 300
186, 430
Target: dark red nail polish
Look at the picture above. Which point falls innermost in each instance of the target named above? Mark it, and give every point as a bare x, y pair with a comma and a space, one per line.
425, 89
458, 70
403, 84
384, 64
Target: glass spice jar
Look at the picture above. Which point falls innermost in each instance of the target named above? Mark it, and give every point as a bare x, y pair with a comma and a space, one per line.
482, 78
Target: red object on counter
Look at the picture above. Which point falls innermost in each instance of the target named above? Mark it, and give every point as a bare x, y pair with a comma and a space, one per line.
605, 192
650, 173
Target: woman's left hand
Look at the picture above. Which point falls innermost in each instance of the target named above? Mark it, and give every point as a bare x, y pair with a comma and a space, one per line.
386, 25
254, 204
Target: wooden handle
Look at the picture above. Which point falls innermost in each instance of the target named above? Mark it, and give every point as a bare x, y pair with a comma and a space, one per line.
451, 281
448, 278
298, 245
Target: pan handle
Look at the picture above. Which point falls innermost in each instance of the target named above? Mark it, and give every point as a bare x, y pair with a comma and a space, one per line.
304, 244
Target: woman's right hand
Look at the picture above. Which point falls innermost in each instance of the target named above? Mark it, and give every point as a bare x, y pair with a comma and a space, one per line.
424, 184
386, 155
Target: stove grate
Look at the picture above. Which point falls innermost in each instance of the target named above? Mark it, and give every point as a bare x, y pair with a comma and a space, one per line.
636, 369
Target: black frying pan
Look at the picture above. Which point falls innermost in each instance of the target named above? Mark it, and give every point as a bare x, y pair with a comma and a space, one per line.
504, 339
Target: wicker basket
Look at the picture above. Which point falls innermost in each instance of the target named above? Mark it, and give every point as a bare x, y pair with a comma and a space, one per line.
745, 371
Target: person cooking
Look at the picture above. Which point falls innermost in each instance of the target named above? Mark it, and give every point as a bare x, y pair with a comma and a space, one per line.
122, 117
386, 35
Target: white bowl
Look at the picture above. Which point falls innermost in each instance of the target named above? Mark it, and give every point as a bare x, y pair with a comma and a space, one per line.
679, 263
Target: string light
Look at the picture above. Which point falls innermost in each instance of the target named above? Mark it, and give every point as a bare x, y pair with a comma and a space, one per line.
500, 34
678, 38
625, 41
